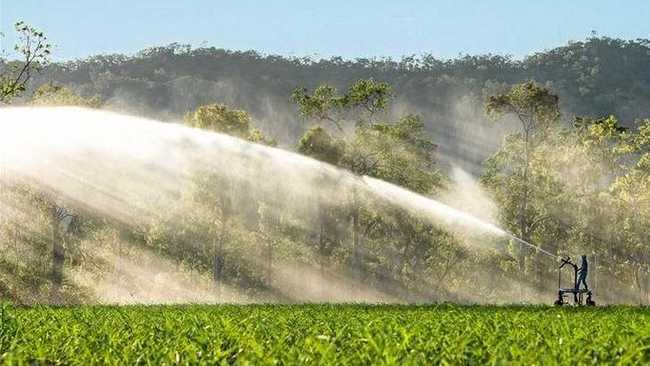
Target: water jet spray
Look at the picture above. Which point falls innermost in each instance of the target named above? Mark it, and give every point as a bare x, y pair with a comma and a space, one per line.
115, 163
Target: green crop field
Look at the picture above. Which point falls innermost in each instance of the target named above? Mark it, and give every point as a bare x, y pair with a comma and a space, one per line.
324, 334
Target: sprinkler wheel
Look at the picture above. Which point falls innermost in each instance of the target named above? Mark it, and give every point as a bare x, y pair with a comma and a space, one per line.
589, 301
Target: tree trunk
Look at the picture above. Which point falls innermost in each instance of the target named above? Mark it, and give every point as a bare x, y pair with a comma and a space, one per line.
356, 254
321, 241
402, 259
641, 285
269, 259
449, 264
218, 262
524, 233
58, 259
647, 285
15, 235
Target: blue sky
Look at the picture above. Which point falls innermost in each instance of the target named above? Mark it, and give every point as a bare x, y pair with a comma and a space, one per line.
349, 28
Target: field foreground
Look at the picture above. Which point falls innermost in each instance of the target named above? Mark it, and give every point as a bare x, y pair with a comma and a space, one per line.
324, 334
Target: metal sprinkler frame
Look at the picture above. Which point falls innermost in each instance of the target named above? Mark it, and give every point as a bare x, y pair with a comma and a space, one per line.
578, 294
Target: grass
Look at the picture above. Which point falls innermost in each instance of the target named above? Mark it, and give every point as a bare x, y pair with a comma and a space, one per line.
324, 334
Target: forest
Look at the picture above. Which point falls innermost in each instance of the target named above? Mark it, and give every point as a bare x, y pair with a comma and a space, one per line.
553, 148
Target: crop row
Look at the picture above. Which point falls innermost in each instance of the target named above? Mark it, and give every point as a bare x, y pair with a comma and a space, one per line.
324, 334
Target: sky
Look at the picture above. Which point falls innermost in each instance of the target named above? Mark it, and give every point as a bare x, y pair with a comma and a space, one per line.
325, 28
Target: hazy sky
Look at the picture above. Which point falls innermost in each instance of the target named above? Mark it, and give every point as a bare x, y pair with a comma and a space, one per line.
348, 28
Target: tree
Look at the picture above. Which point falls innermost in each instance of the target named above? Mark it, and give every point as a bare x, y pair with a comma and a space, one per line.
217, 186
15, 75
400, 152
324, 104
631, 196
62, 220
35, 51
357, 106
51, 94
360, 103
320, 145
515, 172
222, 119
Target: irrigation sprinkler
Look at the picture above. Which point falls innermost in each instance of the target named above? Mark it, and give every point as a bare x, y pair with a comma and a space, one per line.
579, 297
578, 293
